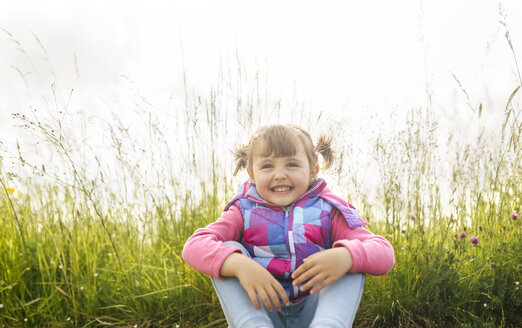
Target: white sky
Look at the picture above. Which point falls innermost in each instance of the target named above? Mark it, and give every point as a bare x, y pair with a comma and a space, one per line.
362, 56
338, 49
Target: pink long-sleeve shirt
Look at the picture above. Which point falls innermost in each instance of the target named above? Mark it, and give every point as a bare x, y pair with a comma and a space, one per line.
205, 251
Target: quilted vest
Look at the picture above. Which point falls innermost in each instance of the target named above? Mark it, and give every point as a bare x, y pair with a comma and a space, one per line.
279, 238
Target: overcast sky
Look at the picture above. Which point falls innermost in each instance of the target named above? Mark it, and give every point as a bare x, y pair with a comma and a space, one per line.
371, 55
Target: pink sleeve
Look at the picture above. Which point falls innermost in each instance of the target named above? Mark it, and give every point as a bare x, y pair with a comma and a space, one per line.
371, 254
204, 250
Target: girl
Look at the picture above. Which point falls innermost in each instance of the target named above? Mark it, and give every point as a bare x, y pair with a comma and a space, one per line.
286, 238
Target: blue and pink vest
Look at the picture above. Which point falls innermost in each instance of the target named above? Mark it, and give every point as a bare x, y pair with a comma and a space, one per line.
280, 238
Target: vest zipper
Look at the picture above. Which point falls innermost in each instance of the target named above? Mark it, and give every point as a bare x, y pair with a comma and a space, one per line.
293, 260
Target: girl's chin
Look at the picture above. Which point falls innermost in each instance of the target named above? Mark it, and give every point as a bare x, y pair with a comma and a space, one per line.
282, 201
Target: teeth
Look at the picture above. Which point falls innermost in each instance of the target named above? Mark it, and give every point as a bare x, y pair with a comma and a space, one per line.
281, 189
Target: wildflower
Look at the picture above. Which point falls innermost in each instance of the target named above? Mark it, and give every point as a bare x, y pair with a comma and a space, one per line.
135, 326
81, 287
493, 265
517, 283
480, 228
1, 306
95, 275
462, 235
485, 305
68, 318
25, 319
475, 240
412, 217
13, 191
515, 216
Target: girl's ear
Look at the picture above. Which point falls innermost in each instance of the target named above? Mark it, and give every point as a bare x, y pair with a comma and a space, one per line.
251, 175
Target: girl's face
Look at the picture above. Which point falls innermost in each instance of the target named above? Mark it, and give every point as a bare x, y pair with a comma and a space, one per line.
282, 180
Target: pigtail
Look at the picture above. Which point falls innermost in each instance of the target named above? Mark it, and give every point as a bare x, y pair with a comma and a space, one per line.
324, 148
241, 158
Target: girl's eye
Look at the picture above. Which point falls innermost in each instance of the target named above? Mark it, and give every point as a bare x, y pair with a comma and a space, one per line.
266, 166
293, 164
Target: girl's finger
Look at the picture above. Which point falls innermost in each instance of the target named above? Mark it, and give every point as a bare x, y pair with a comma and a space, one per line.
302, 268
253, 298
308, 274
312, 282
264, 298
319, 286
275, 300
282, 293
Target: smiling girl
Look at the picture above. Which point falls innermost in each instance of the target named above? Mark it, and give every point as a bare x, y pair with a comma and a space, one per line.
285, 242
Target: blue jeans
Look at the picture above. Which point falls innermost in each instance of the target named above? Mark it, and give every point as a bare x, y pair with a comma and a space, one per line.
334, 306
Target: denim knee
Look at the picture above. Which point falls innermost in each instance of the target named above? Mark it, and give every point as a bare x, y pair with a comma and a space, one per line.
338, 303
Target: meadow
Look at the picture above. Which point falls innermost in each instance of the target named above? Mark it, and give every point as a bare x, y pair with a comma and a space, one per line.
92, 229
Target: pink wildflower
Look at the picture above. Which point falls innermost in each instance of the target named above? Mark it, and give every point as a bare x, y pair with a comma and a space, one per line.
515, 216
462, 235
475, 240
493, 265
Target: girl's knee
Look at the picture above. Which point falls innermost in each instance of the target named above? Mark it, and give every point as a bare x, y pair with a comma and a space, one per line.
355, 278
338, 302
360, 276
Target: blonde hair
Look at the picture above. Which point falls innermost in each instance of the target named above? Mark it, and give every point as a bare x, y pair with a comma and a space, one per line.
280, 141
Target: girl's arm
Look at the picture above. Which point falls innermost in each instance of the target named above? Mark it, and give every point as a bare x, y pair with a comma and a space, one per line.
204, 250
256, 280
354, 250
370, 253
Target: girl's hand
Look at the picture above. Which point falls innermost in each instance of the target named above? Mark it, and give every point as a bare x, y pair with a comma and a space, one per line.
322, 268
256, 281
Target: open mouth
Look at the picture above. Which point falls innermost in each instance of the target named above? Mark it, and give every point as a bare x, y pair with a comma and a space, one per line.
282, 188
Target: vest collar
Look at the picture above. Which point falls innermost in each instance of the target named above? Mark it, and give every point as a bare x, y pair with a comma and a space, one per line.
319, 189
248, 190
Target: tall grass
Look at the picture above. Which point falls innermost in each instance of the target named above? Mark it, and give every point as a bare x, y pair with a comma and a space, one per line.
92, 232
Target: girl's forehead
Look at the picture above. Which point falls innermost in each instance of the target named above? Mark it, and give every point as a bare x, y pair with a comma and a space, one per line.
260, 157
268, 148
264, 151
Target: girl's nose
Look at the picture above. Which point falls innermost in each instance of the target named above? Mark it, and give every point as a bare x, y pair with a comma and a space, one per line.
279, 173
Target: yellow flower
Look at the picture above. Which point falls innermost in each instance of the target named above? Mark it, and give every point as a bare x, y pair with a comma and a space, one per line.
13, 191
